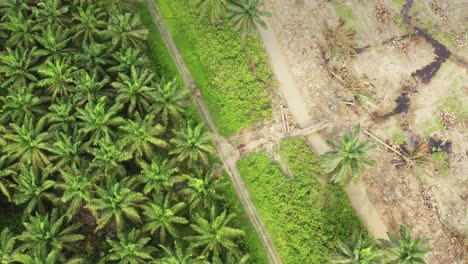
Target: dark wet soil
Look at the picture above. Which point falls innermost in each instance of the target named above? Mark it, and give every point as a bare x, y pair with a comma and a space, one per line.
436, 145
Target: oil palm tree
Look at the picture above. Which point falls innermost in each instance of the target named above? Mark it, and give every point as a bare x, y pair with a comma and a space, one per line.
141, 136
40, 256
405, 249
8, 253
54, 41
21, 30
215, 9
94, 56
32, 189
126, 58
158, 176
68, 151
22, 104
89, 88
192, 145
116, 205
204, 189
18, 66
177, 255
215, 235
57, 77
358, 250
51, 12
77, 188
130, 248
50, 232
98, 120
349, 159
108, 158
89, 22
161, 217
135, 90
28, 143
245, 15
170, 100
60, 116
4, 181
125, 31
13, 6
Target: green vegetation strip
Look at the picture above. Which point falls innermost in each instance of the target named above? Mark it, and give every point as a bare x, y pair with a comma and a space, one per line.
220, 67
305, 217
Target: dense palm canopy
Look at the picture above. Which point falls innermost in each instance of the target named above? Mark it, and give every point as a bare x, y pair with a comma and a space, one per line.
8, 252
349, 159
130, 248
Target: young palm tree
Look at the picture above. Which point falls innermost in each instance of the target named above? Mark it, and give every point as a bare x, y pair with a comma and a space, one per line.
89, 23
50, 232
161, 217
130, 248
349, 159
204, 189
245, 15
215, 236
4, 181
125, 31
358, 250
170, 101
115, 205
18, 66
33, 189
77, 187
192, 145
57, 77
108, 158
97, 121
177, 256
8, 253
135, 90
94, 57
50, 12
22, 104
141, 136
126, 58
68, 151
215, 9
159, 176
404, 249
60, 116
21, 30
28, 143
89, 88
54, 41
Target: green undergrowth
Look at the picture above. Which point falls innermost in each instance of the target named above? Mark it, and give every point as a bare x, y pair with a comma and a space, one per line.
220, 68
304, 216
345, 13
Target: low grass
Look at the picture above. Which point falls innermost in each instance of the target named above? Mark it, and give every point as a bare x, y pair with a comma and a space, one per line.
220, 68
345, 13
305, 217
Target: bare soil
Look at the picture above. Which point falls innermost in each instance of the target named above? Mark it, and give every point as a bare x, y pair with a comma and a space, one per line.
431, 203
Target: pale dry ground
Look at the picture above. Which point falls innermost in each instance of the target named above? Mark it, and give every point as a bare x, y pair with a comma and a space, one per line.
431, 205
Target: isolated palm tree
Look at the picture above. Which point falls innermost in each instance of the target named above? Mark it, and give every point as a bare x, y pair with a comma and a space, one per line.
161, 217
5, 173
130, 248
18, 66
89, 88
245, 15
54, 41
358, 250
192, 145
349, 159
50, 12
77, 188
215, 235
28, 143
32, 189
204, 189
115, 205
8, 252
126, 58
158, 176
89, 22
22, 104
98, 121
21, 30
50, 232
141, 136
68, 151
170, 100
57, 77
108, 158
215, 9
404, 249
125, 31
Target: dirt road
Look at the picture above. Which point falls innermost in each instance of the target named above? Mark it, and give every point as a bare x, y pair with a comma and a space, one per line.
294, 97
228, 154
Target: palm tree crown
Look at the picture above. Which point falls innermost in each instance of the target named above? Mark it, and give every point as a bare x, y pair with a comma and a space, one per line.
245, 15
130, 248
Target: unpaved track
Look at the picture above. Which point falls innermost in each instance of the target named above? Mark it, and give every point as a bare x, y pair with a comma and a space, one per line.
227, 153
299, 108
